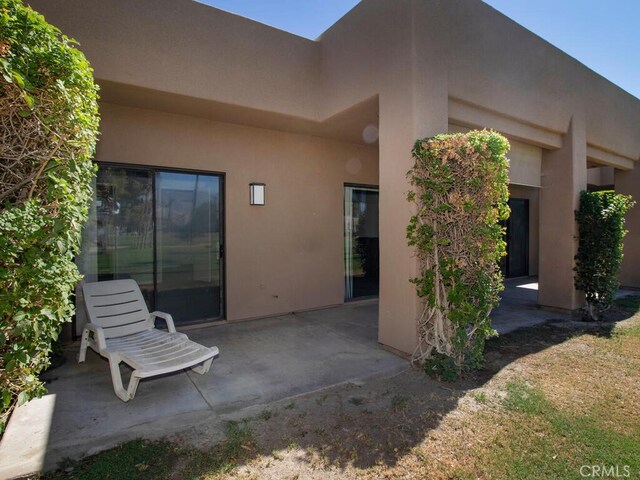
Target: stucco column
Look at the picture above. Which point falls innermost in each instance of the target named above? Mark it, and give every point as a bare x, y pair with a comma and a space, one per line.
398, 304
628, 183
406, 114
564, 175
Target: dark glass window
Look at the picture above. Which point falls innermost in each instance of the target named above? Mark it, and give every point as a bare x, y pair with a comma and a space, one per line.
362, 261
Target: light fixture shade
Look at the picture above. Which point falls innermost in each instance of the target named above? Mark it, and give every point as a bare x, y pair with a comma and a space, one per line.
257, 191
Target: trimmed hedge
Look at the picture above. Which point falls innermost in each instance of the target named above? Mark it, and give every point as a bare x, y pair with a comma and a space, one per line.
600, 218
49, 126
460, 190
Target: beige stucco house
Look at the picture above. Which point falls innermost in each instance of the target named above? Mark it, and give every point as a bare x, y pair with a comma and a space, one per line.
198, 104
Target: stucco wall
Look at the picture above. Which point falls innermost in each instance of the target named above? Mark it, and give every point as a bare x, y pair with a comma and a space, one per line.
496, 63
368, 52
524, 160
380, 47
285, 256
526, 163
486, 60
185, 47
564, 176
600, 176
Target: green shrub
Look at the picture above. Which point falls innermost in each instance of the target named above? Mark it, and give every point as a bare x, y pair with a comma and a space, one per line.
460, 189
48, 124
600, 218
442, 367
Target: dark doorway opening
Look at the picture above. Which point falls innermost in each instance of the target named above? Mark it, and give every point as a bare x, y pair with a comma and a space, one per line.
516, 263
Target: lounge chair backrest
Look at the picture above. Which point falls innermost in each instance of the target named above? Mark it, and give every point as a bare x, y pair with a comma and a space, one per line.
117, 306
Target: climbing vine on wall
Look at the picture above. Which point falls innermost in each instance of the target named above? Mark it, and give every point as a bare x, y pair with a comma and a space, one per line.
460, 190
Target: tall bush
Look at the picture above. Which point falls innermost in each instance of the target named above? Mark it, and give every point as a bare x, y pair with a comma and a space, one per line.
48, 124
600, 219
460, 190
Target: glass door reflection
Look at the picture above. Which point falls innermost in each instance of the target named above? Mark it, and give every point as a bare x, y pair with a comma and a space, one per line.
361, 242
124, 227
188, 237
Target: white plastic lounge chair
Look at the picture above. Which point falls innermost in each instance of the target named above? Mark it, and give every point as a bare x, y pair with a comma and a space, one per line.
121, 329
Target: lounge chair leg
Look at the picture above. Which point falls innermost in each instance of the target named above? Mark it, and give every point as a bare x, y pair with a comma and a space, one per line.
204, 368
84, 343
133, 385
116, 378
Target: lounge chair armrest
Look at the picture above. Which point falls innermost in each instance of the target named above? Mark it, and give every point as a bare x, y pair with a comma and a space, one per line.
166, 317
98, 335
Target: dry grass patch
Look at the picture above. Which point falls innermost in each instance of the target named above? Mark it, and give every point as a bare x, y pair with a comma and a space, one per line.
569, 405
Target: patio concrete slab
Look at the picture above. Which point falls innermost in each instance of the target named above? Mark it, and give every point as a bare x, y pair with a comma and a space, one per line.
272, 359
260, 361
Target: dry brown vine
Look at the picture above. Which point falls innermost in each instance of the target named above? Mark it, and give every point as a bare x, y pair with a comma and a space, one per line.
460, 192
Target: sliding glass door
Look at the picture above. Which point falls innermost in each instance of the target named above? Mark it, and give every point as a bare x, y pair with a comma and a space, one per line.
164, 230
124, 214
361, 245
188, 245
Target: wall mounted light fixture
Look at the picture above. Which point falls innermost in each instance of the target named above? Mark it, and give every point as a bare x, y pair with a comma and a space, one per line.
256, 193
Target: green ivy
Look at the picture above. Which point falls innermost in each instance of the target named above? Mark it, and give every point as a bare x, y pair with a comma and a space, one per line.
460, 190
48, 96
600, 218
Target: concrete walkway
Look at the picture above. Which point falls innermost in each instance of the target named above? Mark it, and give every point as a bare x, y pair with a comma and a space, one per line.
519, 306
260, 361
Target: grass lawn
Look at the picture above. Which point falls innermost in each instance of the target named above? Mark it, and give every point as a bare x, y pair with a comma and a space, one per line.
556, 401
